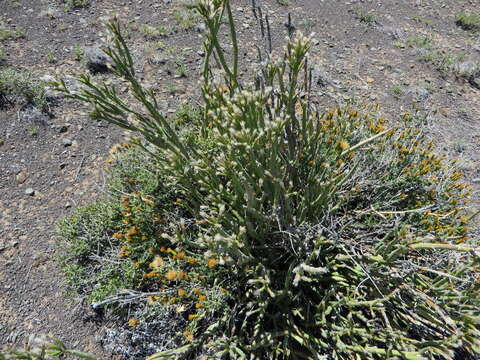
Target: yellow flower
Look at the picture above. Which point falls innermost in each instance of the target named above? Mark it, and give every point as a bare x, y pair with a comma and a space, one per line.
212, 262
181, 292
157, 262
191, 260
117, 235
133, 322
199, 306
132, 231
202, 298
188, 335
344, 145
192, 316
152, 300
181, 255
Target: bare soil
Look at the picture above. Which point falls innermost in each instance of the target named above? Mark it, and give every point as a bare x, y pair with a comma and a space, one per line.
363, 52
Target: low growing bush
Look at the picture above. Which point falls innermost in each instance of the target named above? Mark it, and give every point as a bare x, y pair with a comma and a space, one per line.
279, 231
21, 86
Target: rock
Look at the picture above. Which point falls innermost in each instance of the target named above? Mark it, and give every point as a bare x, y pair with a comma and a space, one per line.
476, 46
34, 115
320, 77
393, 32
476, 181
475, 82
418, 93
62, 128
96, 59
2, 142
67, 142
200, 28
21, 177
29, 192
467, 68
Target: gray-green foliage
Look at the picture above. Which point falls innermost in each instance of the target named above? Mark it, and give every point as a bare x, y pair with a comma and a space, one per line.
336, 237
44, 351
76, 4
9, 33
16, 85
468, 20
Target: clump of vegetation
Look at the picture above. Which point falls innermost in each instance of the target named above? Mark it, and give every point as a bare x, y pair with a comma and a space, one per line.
367, 17
468, 21
275, 230
186, 17
153, 32
423, 42
8, 33
21, 86
44, 350
76, 4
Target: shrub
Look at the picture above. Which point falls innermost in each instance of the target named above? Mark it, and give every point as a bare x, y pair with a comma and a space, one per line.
76, 4
7, 33
294, 233
468, 21
19, 85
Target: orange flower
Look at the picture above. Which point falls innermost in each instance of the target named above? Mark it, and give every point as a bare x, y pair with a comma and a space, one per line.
202, 298
212, 262
171, 275
181, 255
117, 235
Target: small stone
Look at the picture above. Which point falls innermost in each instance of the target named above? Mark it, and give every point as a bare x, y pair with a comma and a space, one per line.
62, 128
21, 177
29, 192
201, 28
96, 59
475, 82
476, 181
2, 142
67, 142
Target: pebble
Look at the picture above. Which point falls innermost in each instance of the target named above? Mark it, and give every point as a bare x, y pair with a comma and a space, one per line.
67, 142
29, 192
21, 177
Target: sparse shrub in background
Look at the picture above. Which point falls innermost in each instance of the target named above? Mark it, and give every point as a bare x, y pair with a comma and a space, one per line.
153, 32
278, 231
186, 17
366, 17
44, 350
76, 4
8, 33
78, 52
468, 21
21, 86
